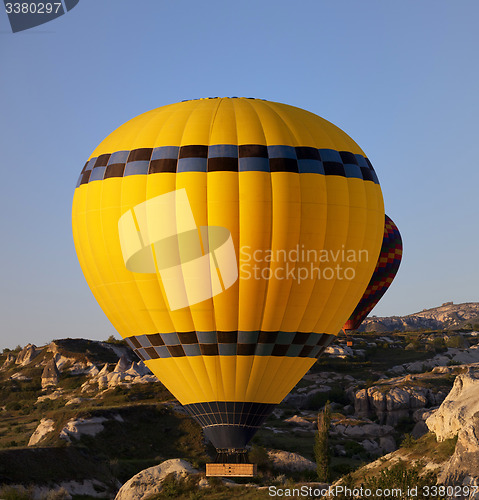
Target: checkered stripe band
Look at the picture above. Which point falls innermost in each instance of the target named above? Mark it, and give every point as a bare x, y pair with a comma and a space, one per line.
227, 158
231, 343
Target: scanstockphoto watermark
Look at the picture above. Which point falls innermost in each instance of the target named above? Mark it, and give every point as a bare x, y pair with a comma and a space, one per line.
410, 492
306, 491
300, 263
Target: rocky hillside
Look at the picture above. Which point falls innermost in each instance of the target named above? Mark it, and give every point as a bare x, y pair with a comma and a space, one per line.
448, 316
448, 449
80, 418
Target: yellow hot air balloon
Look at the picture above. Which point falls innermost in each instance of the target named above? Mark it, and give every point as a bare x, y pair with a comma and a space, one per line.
228, 240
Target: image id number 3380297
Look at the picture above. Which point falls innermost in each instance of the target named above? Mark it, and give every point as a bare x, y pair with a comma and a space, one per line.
33, 8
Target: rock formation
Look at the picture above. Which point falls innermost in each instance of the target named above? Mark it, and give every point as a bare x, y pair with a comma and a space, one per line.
44, 427
50, 374
361, 429
93, 371
77, 427
302, 400
104, 370
390, 405
149, 481
299, 421
374, 438
337, 351
122, 365
10, 360
459, 407
123, 374
26, 355
463, 466
393, 399
290, 461
138, 369
439, 363
446, 316
20, 376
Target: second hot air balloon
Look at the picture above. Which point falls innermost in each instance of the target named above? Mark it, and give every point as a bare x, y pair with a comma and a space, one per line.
384, 274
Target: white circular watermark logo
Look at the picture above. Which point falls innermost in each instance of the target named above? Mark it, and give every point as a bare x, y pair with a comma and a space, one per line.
160, 236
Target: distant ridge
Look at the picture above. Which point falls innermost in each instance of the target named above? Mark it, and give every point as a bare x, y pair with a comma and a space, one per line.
447, 316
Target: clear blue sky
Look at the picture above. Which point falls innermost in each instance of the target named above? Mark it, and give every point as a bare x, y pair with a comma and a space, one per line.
401, 77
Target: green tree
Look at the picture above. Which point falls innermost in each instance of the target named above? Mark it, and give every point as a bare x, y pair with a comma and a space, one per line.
113, 340
322, 453
439, 344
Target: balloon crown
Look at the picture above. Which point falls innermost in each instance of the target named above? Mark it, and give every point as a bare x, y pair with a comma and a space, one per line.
217, 97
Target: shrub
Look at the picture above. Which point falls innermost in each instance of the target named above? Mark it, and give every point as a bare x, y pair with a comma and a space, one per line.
404, 477
317, 400
448, 446
50, 404
13, 406
453, 363
404, 425
399, 477
72, 382
341, 469
61, 494
258, 455
12, 493
172, 487
408, 441
353, 448
439, 344
455, 341
415, 345
335, 395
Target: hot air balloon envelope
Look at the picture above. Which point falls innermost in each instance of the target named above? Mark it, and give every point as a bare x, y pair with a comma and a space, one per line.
218, 236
